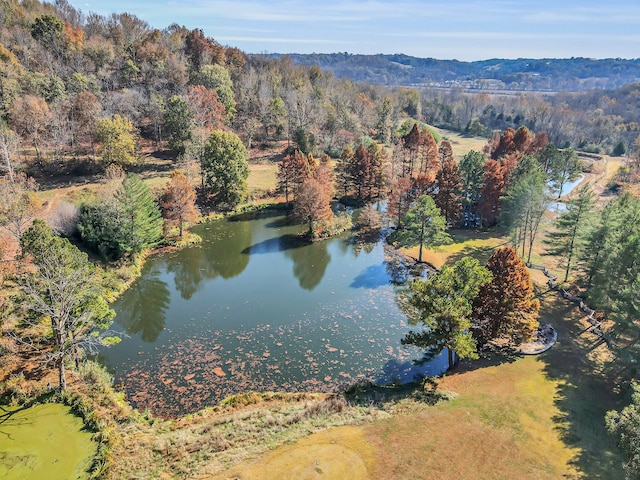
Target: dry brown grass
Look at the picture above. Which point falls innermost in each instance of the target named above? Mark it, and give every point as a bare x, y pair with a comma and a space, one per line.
537, 417
462, 144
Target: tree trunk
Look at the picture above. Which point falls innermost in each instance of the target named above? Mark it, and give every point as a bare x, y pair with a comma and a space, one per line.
62, 377
450, 358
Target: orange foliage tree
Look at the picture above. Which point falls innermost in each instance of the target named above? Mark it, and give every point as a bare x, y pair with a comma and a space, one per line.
505, 308
489, 203
447, 196
178, 202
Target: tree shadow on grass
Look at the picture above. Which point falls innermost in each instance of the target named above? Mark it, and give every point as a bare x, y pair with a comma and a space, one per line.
481, 253
584, 394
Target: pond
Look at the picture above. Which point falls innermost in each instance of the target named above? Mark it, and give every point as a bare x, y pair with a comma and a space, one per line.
31, 440
255, 308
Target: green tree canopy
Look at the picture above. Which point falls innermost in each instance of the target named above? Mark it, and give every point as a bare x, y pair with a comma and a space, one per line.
625, 424
423, 225
225, 168
125, 226
442, 305
115, 137
64, 298
177, 123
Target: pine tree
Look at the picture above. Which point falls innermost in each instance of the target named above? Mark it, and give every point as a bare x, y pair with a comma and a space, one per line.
443, 305
569, 237
141, 220
471, 171
506, 307
65, 298
423, 225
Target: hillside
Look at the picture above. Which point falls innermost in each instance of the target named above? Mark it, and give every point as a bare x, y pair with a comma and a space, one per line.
546, 74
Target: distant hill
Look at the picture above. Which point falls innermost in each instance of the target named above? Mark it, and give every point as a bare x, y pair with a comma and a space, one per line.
547, 74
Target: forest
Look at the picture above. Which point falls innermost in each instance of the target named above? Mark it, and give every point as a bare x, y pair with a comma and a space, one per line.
116, 138
522, 74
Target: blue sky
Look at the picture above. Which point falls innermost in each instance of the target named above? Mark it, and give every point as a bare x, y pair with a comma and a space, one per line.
463, 30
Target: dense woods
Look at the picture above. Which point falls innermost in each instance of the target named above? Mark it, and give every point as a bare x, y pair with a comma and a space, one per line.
88, 98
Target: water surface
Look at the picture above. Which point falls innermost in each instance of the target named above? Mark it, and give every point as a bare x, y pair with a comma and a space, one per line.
255, 308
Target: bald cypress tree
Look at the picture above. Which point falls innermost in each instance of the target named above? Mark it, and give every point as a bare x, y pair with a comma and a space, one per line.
505, 308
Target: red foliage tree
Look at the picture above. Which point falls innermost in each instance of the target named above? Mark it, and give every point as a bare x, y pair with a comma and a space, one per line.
400, 198
506, 307
178, 202
447, 196
489, 203
293, 170
505, 146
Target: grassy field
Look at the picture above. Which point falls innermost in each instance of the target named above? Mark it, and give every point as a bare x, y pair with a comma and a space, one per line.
475, 243
462, 144
538, 417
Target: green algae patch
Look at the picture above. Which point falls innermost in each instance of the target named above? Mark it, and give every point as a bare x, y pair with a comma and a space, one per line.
47, 442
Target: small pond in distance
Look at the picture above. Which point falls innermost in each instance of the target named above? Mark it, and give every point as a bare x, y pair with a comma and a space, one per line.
254, 308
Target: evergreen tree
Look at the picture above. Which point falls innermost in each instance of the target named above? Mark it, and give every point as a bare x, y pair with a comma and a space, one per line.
177, 124
125, 225
471, 171
524, 205
66, 291
565, 167
569, 237
443, 305
423, 225
626, 426
141, 217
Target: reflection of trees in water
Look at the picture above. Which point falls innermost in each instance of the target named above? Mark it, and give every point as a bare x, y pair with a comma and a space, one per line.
223, 254
219, 255
309, 263
187, 271
143, 307
365, 240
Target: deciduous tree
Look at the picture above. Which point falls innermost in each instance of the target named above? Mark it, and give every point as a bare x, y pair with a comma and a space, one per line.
19, 203
66, 292
447, 196
115, 137
225, 168
178, 202
493, 185
506, 307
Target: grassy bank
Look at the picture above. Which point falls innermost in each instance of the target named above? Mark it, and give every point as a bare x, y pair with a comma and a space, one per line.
514, 417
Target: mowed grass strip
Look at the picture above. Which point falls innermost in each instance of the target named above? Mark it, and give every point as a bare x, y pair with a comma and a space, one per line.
339, 453
466, 243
